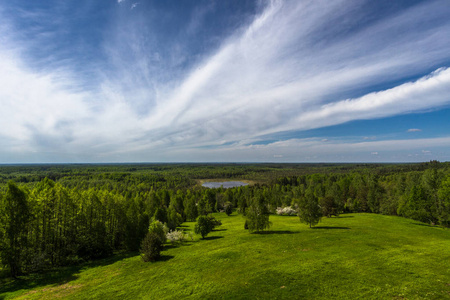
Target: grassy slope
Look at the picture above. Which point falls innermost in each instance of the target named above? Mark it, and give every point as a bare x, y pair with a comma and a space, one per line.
363, 256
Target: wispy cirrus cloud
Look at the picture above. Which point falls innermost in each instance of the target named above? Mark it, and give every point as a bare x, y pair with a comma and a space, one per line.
295, 65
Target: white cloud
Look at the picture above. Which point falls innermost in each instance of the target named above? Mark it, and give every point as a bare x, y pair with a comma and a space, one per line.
283, 71
414, 130
313, 150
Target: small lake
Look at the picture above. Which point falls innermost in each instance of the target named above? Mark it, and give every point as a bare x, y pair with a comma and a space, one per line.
225, 184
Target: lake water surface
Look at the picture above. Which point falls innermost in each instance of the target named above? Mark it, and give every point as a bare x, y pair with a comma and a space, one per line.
225, 184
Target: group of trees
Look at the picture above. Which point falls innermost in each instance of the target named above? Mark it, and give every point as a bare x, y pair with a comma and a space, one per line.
91, 212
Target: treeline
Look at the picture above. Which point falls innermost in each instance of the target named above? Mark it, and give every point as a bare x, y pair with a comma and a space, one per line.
54, 223
420, 195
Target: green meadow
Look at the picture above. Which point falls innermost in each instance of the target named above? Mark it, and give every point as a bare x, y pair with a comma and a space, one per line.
353, 256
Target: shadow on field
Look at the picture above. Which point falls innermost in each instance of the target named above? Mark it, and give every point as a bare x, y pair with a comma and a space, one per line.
165, 257
343, 217
277, 232
330, 227
424, 224
55, 277
177, 245
223, 229
210, 238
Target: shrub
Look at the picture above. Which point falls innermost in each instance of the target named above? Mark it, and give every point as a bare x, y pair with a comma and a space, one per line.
151, 247
286, 211
160, 229
176, 236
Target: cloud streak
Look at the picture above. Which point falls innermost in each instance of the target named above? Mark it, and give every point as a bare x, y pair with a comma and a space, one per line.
296, 65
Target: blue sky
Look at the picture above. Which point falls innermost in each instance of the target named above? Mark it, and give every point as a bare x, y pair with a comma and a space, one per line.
224, 81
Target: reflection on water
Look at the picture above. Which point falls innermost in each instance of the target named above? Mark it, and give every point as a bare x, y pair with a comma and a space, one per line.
225, 184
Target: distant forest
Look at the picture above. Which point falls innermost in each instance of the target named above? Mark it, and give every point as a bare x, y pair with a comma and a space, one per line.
56, 215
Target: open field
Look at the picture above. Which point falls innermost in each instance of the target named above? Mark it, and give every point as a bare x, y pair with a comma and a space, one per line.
365, 256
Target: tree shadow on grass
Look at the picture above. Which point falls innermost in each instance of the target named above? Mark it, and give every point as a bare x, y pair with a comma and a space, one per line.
177, 245
330, 227
343, 217
223, 229
165, 257
55, 277
276, 232
424, 224
210, 238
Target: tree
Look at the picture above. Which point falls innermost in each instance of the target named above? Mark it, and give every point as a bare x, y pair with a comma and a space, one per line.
160, 229
203, 207
174, 219
257, 215
153, 242
190, 209
151, 247
14, 216
228, 208
161, 214
309, 209
328, 206
203, 226
443, 207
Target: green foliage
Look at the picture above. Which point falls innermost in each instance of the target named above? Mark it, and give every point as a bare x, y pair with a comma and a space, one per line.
309, 210
151, 247
203, 206
214, 222
328, 206
443, 205
14, 216
191, 209
161, 214
174, 219
257, 215
203, 226
228, 208
159, 229
77, 213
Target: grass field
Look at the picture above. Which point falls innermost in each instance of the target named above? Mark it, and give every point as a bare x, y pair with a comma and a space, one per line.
363, 256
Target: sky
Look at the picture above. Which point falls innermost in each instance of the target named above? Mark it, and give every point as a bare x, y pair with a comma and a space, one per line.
224, 81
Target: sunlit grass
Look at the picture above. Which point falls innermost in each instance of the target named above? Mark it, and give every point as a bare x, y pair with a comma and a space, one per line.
364, 256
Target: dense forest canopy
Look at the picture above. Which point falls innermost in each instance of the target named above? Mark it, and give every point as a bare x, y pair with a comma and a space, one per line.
54, 215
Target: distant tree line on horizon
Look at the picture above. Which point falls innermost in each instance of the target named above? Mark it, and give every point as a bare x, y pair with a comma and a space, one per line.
89, 213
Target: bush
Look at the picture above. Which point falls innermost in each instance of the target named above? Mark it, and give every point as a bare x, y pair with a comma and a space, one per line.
160, 229
151, 247
286, 211
176, 236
